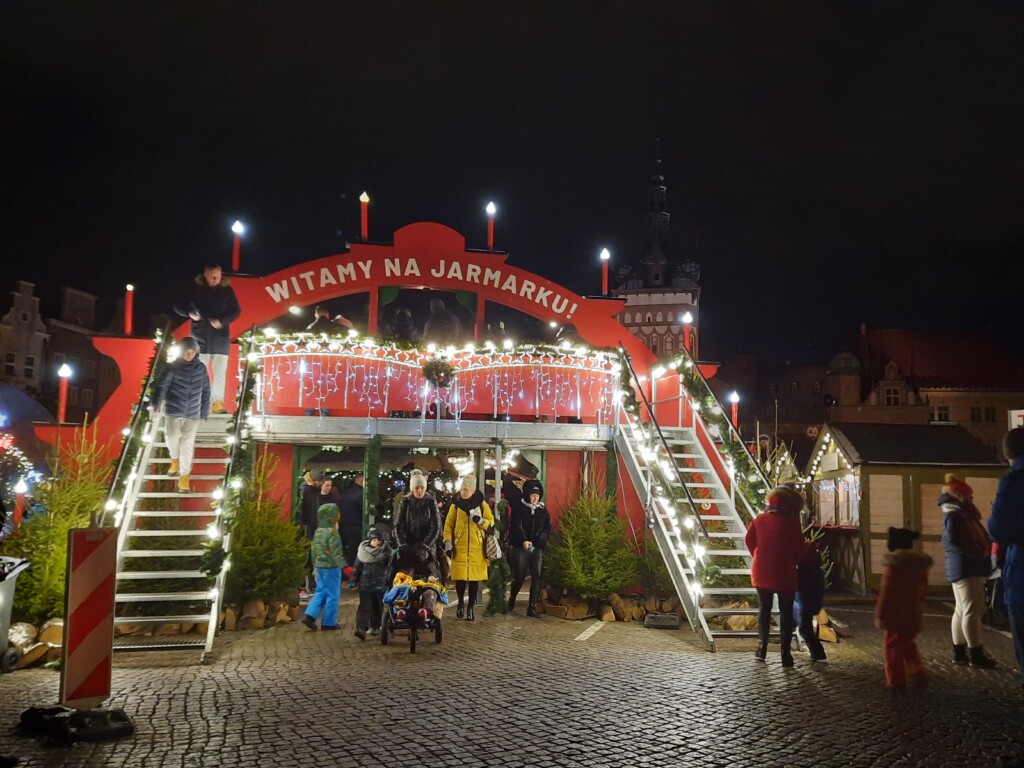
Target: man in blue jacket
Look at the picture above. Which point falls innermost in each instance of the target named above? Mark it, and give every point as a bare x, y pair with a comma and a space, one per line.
183, 392
1006, 526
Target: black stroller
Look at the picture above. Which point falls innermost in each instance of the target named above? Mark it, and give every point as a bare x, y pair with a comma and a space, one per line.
414, 606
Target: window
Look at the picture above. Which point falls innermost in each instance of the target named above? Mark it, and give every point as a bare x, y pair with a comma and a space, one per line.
89, 369
627, 317
87, 398
30, 366
975, 413
24, 317
654, 346
990, 413
891, 396
9, 363
72, 395
817, 387
940, 413
794, 387
668, 344
659, 317
656, 278
649, 317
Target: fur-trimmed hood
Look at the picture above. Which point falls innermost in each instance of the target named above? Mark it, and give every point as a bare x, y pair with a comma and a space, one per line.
907, 558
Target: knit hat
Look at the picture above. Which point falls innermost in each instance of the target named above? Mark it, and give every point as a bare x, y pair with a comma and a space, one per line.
785, 499
956, 487
901, 538
188, 343
376, 533
531, 487
417, 480
468, 483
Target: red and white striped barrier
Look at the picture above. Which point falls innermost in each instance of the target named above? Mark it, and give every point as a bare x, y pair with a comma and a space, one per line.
88, 617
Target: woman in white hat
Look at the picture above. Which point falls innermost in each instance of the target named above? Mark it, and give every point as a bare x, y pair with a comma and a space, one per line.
468, 519
418, 523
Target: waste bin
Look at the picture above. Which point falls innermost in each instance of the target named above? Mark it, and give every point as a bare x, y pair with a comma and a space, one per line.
10, 567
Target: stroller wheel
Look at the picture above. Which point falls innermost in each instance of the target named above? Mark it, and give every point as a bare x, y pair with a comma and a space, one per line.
412, 640
437, 631
385, 630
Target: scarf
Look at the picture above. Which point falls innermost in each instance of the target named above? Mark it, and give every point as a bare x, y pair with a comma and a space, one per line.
468, 505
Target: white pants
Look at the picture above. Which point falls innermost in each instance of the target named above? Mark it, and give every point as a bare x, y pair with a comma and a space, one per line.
969, 594
181, 441
218, 365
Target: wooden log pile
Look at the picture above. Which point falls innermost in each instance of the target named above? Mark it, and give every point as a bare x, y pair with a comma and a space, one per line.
623, 608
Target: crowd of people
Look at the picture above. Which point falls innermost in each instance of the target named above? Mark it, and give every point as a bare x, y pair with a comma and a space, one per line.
786, 570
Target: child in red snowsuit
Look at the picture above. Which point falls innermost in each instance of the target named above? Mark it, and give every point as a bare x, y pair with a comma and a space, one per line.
900, 609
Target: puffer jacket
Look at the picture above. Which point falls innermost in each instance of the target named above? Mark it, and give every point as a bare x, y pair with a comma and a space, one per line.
529, 522
184, 389
418, 522
372, 564
900, 606
1007, 528
212, 303
967, 547
326, 545
776, 541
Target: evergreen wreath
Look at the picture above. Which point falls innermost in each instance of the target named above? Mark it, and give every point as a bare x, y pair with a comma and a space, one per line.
438, 372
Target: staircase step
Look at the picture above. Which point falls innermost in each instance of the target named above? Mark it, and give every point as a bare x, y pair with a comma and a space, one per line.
726, 535
159, 642
172, 513
730, 611
687, 456
175, 477
194, 461
162, 553
712, 518
137, 575
703, 485
728, 553
729, 590
160, 533
175, 495
740, 633
157, 597
198, 618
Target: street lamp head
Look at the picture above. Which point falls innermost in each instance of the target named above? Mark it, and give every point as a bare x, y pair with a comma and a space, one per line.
734, 397
687, 318
553, 324
238, 228
605, 254
129, 287
64, 371
491, 209
21, 486
364, 198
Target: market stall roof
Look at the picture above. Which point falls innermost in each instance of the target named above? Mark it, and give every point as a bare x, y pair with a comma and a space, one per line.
921, 444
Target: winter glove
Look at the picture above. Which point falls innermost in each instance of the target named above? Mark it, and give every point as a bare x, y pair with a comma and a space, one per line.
448, 546
352, 584
476, 517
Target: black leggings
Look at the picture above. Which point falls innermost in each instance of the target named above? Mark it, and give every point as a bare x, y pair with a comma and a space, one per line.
460, 590
764, 615
525, 564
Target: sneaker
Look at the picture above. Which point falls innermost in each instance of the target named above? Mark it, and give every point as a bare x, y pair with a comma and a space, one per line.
331, 628
374, 632
183, 486
360, 633
309, 621
303, 594
218, 406
172, 471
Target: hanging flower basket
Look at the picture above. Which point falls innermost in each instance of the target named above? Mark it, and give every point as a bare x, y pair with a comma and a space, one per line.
438, 372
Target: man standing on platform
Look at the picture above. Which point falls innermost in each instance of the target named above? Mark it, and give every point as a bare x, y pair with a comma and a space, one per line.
212, 306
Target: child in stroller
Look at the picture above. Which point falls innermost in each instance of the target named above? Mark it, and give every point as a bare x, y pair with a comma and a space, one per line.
415, 601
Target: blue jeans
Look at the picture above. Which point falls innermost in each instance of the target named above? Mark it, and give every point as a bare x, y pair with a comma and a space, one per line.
1017, 628
328, 590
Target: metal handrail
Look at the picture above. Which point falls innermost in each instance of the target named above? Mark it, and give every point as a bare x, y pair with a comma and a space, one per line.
661, 438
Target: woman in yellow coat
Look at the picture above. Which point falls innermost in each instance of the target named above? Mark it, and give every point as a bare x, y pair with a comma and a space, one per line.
464, 528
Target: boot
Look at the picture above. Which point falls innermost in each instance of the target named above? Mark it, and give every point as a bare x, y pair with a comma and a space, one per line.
960, 654
218, 406
532, 612
787, 653
511, 604
460, 611
173, 469
979, 658
469, 614
183, 486
762, 651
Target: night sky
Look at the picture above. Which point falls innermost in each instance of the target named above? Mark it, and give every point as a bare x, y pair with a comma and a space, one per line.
828, 164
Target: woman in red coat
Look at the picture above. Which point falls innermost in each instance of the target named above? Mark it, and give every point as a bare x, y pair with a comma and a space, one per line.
776, 541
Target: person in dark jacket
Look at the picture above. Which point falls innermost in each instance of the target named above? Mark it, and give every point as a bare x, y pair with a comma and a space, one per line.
810, 598
528, 534
402, 328
443, 327
418, 523
373, 561
212, 306
1007, 529
351, 528
968, 565
183, 393
776, 542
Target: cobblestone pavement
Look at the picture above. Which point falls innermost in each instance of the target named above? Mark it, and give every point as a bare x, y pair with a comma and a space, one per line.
514, 691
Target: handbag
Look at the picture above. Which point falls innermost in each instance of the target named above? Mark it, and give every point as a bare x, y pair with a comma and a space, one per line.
492, 549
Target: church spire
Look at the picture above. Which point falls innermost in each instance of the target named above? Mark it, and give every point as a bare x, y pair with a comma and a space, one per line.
655, 260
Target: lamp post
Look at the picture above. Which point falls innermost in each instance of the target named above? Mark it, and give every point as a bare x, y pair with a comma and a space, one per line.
20, 489
236, 249
129, 300
734, 398
62, 393
491, 210
688, 332
364, 216
605, 258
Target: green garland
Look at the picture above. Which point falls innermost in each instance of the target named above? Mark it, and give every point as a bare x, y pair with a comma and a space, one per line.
371, 479
611, 470
438, 372
498, 573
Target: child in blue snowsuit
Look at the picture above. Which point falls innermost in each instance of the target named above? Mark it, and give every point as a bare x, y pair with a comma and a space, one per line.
328, 560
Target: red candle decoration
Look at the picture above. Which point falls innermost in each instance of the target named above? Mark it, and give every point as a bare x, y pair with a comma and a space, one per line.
605, 258
364, 216
129, 300
236, 249
687, 332
490, 225
19, 502
734, 398
62, 393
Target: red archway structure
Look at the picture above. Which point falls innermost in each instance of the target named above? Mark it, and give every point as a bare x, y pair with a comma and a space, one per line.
423, 255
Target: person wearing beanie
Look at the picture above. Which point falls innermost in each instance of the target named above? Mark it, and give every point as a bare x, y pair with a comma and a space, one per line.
529, 531
328, 559
776, 542
968, 553
418, 523
373, 560
899, 611
810, 599
212, 306
182, 393
1007, 529
465, 526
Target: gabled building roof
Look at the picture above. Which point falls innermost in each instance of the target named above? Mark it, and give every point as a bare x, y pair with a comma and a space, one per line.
941, 359
915, 444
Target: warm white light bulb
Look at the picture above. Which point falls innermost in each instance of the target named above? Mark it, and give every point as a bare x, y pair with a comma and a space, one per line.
605, 254
491, 208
